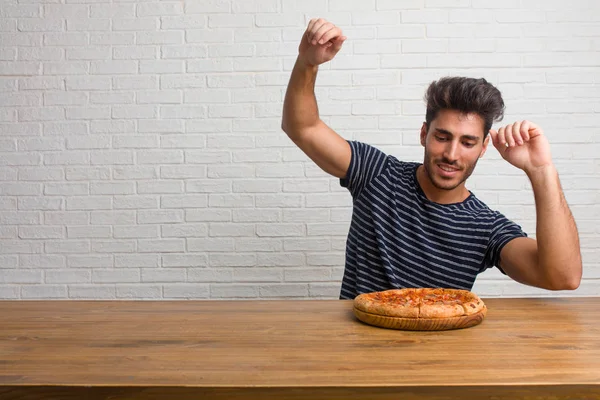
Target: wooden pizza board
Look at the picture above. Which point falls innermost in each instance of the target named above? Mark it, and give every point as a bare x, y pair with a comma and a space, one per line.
421, 324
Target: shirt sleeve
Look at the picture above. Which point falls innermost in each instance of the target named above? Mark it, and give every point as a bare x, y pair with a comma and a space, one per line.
366, 163
504, 230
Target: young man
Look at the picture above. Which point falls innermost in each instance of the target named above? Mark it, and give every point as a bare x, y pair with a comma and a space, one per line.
416, 225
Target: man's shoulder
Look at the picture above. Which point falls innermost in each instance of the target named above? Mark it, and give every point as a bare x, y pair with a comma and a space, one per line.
479, 209
367, 151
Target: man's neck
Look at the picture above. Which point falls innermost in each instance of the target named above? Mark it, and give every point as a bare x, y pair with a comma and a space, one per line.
440, 196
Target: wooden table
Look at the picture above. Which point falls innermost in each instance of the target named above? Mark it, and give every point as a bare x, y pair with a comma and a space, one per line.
525, 348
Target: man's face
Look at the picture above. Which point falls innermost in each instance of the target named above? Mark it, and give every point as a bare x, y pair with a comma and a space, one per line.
453, 143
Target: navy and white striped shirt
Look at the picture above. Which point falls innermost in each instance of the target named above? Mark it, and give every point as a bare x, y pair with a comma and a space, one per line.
398, 238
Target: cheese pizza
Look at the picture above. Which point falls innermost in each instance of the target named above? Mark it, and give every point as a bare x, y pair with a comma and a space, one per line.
420, 308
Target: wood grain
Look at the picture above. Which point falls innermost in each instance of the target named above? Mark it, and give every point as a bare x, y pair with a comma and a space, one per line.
303, 348
421, 324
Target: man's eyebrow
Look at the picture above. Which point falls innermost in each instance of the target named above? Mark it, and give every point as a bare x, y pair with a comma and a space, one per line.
469, 137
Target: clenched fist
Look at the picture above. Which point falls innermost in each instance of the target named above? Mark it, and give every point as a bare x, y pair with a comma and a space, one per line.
320, 43
523, 144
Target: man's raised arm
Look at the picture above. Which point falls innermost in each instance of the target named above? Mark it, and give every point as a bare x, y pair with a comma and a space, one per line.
553, 260
320, 43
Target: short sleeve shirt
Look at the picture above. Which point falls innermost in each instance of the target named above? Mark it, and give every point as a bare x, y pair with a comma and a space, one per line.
398, 238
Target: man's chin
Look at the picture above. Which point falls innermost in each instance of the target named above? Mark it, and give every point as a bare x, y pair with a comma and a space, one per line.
445, 183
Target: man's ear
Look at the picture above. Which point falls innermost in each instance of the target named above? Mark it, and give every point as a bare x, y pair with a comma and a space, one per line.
424, 129
486, 141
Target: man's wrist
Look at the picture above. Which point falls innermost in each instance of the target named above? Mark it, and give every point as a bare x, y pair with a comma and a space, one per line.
302, 63
541, 173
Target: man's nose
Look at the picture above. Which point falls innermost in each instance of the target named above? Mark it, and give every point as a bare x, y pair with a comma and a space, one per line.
451, 151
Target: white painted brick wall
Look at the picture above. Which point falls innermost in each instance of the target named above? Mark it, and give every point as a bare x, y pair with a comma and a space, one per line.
141, 155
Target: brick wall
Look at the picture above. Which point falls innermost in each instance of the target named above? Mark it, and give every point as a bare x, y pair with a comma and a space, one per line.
141, 154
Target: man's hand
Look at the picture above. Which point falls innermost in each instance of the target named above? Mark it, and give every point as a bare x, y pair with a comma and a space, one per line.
320, 43
524, 145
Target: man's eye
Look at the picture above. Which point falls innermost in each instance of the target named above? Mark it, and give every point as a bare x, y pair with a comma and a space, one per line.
469, 145
441, 138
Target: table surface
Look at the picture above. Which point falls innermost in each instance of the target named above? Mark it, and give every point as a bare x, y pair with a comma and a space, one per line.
292, 344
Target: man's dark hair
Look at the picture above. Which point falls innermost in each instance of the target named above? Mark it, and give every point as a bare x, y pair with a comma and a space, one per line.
468, 95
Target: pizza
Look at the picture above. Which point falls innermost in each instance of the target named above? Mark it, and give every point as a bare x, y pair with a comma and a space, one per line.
420, 308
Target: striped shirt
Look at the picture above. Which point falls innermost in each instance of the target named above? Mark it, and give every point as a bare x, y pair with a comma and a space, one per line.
398, 238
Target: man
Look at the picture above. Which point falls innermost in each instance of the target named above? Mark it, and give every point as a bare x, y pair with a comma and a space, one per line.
416, 225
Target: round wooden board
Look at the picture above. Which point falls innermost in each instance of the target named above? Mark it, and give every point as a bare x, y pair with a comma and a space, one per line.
421, 324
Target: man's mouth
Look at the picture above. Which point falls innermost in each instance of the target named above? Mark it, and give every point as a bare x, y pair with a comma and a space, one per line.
447, 170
